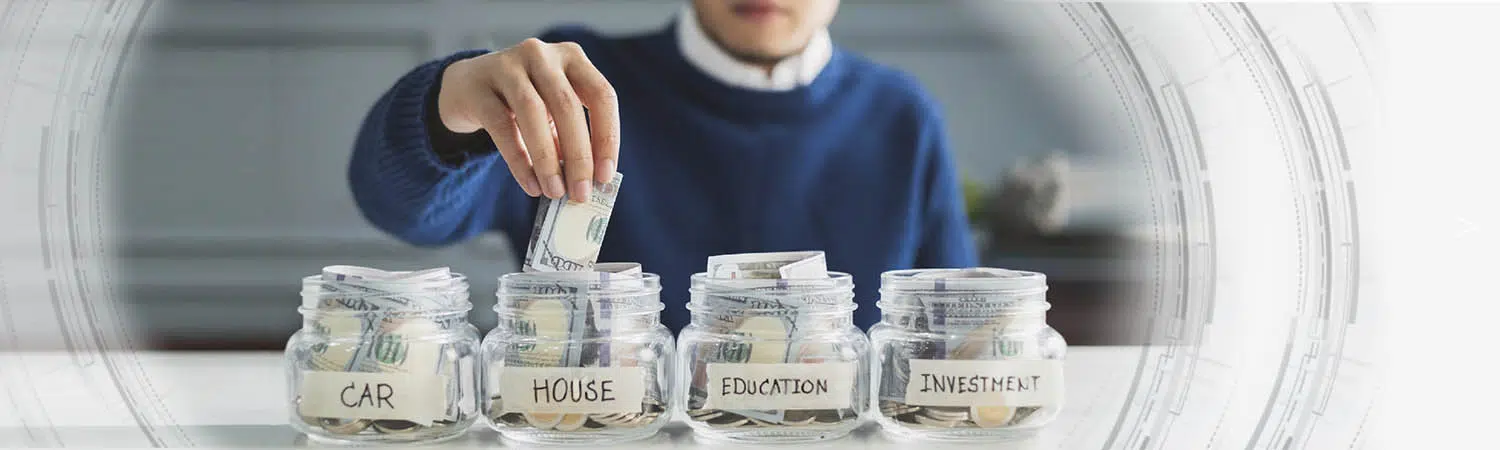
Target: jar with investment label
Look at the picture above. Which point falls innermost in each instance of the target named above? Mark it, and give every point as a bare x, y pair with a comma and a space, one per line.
383, 357
965, 355
578, 357
773, 360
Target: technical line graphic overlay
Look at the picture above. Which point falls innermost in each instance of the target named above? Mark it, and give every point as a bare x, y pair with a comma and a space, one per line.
1245, 123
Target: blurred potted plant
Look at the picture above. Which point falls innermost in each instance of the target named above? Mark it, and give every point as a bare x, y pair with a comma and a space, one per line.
1029, 203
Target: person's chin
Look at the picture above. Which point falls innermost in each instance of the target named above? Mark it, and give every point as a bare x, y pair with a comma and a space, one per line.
759, 55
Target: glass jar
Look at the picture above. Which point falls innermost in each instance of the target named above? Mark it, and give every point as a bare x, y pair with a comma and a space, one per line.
578, 358
773, 360
382, 358
965, 354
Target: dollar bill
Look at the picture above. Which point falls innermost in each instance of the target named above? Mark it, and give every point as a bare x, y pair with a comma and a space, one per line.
615, 310
775, 265
388, 340
367, 289
566, 235
573, 317
780, 286
560, 309
968, 319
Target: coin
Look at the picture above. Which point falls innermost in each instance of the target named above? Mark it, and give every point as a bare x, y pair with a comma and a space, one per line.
899, 410
513, 419
570, 422
395, 426
543, 420
704, 414
610, 419
934, 422
991, 416
946, 413
343, 426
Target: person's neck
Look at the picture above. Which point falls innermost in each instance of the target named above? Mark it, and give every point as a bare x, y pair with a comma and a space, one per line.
707, 51
766, 64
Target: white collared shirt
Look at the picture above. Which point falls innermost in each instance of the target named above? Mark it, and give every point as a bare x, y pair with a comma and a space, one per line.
793, 72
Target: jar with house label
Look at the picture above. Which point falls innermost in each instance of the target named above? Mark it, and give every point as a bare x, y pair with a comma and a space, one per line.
578, 357
772, 353
383, 357
965, 354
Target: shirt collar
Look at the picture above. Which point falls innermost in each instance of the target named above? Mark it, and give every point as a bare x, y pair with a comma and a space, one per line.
793, 72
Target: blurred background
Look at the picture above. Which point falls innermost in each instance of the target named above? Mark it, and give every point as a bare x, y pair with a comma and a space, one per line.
239, 117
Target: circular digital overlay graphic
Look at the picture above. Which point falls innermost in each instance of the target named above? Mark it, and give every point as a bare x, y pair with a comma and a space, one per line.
1246, 124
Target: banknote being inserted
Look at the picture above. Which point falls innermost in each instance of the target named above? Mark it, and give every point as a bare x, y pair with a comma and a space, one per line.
567, 235
569, 319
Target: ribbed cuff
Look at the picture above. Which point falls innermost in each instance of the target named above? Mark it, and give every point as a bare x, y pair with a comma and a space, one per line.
453, 149
413, 108
408, 167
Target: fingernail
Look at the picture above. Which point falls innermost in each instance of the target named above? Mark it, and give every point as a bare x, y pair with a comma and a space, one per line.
529, 185
554, 187
581, 190
604, 171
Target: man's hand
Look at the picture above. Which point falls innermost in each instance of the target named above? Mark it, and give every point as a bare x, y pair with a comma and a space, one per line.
530, 98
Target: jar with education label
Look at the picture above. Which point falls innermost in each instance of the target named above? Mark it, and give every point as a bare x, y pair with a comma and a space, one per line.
383, 357
965, 354
578, 357
773, 360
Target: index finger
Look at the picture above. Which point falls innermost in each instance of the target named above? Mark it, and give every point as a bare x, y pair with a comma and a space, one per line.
598, 96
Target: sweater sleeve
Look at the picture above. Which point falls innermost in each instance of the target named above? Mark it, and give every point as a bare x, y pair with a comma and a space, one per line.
420, 194
946, 241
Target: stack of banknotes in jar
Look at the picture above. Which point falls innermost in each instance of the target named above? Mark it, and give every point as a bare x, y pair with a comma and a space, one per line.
579, 356
383, 356
772, 353
966, 354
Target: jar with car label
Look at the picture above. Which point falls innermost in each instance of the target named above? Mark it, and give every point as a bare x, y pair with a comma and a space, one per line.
965, 355
578, 357
772, 353
383, 357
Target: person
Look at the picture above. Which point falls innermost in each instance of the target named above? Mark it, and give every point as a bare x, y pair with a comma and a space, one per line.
737, 127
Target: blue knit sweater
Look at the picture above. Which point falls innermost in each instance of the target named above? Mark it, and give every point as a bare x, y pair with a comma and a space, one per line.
855, 164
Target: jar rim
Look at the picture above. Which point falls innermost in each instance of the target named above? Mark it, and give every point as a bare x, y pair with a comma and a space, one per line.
835, 281
1013, 309
631, 293
319, 312
782, 293
995, 280
451, 296
810, 310
595, 283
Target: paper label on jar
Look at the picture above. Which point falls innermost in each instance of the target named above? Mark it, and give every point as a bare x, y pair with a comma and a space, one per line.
412, 397
780, 386
985, 383
587, 390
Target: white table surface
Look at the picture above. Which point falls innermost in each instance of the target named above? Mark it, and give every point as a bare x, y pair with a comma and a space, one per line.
236, 399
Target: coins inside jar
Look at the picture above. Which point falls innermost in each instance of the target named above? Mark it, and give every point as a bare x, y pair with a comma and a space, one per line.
651, 411
959, 417
718, 418
349, 427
